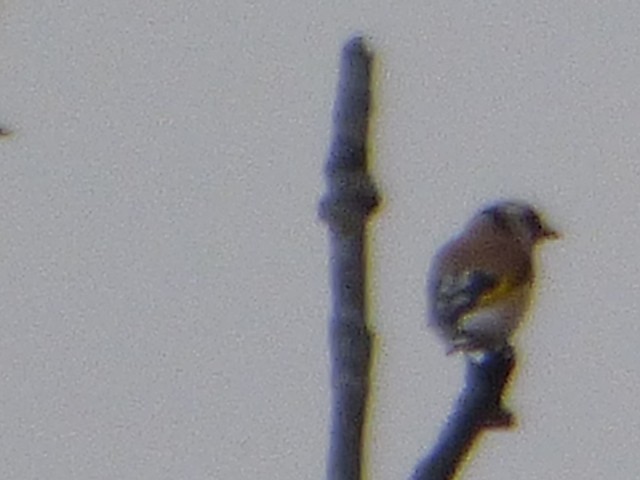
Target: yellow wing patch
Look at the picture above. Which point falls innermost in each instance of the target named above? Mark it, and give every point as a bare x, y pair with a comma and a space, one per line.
503, 289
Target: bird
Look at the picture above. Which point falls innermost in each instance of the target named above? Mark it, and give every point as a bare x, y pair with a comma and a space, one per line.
480, 282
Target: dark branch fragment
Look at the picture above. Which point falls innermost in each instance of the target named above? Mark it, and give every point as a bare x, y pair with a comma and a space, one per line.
479, 408
351, 198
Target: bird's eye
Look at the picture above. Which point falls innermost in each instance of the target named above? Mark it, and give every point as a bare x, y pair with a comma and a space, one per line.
532, 221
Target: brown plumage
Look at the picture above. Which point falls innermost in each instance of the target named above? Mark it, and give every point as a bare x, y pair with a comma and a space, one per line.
480, 282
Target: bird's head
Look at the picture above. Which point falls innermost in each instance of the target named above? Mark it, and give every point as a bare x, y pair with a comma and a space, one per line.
519, 219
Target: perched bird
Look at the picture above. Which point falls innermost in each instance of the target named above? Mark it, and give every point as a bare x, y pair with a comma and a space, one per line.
479, 284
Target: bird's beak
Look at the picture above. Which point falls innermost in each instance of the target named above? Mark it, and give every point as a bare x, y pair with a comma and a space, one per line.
549, 233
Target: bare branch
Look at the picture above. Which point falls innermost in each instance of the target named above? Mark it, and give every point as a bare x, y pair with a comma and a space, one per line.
479, 408
351, 198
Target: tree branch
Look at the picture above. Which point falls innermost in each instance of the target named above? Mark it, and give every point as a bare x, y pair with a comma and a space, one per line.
350, 199
479, 408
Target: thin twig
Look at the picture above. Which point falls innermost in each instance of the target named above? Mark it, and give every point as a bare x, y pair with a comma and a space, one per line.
479, 408
351, 198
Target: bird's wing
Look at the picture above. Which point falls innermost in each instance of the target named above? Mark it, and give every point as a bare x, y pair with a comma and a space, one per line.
455, 295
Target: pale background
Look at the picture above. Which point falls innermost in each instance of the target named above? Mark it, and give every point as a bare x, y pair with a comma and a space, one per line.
164, 275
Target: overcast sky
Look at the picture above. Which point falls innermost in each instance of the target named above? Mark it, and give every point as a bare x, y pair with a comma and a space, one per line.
164, 275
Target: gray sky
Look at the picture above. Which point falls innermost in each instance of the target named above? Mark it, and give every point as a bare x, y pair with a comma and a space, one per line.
164, 274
